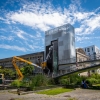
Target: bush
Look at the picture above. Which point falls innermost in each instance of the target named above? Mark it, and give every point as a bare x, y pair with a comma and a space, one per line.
16, 83
91, 81
64, 81
73, 79
96, 76
51, 81
38, 80
32, 82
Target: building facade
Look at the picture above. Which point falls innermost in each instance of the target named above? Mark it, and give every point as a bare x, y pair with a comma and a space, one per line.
94, 54
92, 51
36, 58
63, 41
81, 55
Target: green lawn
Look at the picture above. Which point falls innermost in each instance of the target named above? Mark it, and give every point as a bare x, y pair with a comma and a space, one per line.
54, 91
96, 85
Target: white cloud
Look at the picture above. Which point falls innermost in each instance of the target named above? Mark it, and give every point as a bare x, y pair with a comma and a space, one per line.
89, 24
41, 21
39, 16
43, 16
84, 38
79, 39
38, 35
6, 38
27, 36
93, 23
15, 48
20, 34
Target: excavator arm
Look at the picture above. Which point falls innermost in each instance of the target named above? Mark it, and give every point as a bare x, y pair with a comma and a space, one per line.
20, 75
44, 64
15, 59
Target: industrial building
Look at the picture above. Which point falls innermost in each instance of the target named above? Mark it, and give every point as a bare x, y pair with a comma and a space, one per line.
36, 58
63, 41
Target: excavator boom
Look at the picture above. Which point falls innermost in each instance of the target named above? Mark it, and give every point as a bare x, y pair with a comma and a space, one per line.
15, 59
43, 64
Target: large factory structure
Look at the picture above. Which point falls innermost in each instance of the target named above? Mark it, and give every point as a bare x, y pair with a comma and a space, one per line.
62, 39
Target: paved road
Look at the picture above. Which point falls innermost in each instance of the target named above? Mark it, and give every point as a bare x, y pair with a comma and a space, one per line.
80, 94
83, 94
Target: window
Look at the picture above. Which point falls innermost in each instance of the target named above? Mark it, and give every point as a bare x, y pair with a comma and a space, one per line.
88, 50
85, 49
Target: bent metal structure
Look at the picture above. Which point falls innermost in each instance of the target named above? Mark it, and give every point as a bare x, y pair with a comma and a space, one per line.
63, 59
14, 61
60, 55
89, 65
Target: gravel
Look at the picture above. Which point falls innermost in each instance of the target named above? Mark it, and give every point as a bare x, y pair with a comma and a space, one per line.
80, 94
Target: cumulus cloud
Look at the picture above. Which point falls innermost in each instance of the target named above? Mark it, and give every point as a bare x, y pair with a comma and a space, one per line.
44, 16
41, 21
40, 16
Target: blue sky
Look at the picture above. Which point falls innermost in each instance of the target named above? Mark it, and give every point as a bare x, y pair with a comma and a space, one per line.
23, 23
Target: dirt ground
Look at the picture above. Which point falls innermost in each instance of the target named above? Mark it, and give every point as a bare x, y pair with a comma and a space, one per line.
80, 94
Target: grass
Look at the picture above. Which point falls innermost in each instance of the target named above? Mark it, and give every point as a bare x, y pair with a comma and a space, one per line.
55, 91
72, 99
96, 85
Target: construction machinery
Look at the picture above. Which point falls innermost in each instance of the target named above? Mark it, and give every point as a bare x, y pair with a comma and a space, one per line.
14, 61
43, 64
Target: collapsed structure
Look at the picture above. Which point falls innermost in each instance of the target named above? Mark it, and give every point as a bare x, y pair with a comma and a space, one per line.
62, 39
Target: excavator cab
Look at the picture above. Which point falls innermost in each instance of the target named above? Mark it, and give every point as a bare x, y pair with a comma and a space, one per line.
44, 64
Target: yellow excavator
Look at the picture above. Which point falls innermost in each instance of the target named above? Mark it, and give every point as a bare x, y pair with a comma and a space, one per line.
43, 64
15, 59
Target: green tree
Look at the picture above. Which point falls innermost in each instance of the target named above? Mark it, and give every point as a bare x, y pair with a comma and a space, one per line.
7, 72
27, 69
